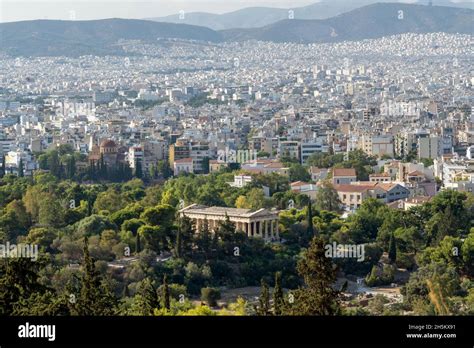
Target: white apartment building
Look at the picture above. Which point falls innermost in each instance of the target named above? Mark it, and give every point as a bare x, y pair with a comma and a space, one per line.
377, 145
136, 155
289, 148
429, 147
241, 180
308, 148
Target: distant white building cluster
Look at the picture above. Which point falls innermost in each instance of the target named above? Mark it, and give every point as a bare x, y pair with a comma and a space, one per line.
406, 100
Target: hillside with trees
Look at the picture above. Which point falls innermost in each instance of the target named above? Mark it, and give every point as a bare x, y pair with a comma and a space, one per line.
121, 248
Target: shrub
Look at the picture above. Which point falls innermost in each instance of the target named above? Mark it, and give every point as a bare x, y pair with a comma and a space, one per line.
210, 295
380, 276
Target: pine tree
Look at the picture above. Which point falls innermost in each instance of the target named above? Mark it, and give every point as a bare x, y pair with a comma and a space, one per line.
227, 228
264, 301
318, 297
148, 299
166, 293
437, 297
95, 297
327, 197
392, 249
19, 279
226, 233
278, 300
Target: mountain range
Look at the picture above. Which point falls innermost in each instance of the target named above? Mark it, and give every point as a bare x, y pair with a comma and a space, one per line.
102, 37
98, 37
369, 22
254, 17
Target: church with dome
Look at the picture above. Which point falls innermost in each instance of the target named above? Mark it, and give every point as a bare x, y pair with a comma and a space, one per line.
109, 151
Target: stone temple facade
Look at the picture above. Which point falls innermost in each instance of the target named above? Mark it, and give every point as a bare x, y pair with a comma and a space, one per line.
261, 223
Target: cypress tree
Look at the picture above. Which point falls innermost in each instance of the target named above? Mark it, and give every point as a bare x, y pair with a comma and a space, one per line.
54, 164
204, 239
4, 168
61, 170
178, 243
264, 300
90, 281
126, 292
72, 288
278, 300
186, 236
91, 170
21, 169
101, 166
95, 297
89, 207
71, 167
392, 249
309, 221
138, 169
166, 293
137, 243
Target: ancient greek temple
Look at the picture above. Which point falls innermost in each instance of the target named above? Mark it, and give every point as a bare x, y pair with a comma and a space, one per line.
262, 223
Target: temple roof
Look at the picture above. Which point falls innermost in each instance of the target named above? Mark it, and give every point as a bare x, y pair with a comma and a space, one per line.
231, 212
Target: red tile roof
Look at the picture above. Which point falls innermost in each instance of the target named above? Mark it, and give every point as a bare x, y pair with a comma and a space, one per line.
184, 160
344, 172
354, 188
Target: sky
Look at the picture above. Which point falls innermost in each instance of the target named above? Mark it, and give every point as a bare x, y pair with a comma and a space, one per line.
16, 10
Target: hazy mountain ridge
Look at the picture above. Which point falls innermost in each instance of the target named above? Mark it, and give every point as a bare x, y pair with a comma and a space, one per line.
255, 17
100, 37
55, 37
369, 22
